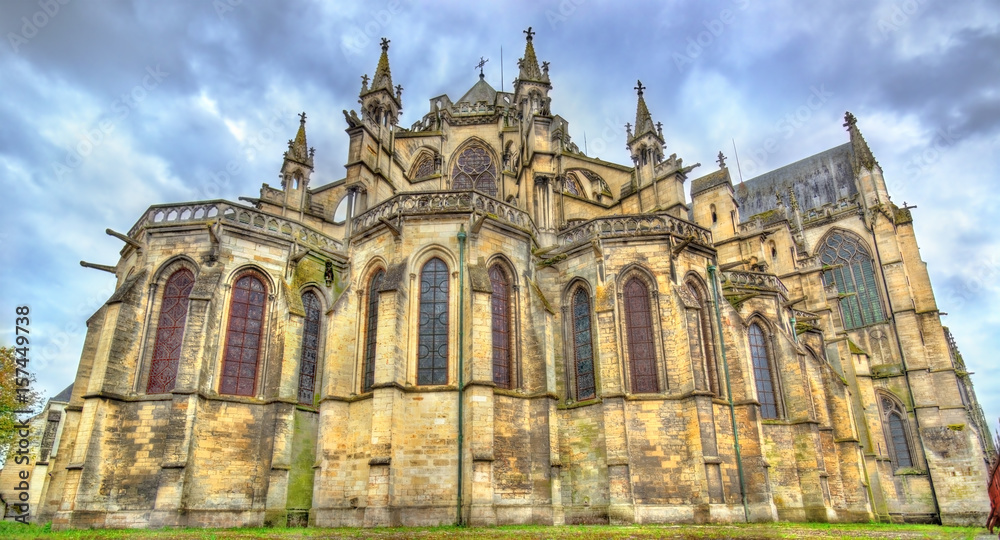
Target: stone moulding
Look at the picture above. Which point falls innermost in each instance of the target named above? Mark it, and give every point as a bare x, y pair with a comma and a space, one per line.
636, 225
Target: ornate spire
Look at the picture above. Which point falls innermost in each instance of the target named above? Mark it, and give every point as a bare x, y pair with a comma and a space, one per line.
643, 120
862, 154
529, 63
298, 151
383, 77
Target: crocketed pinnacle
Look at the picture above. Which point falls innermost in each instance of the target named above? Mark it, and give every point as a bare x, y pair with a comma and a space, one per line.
383, 77
643, 120
529, 62
298, 150
862, 154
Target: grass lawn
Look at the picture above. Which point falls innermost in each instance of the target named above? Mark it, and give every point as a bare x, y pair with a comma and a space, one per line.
9, 530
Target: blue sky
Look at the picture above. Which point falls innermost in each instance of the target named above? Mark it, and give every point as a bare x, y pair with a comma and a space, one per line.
110, 107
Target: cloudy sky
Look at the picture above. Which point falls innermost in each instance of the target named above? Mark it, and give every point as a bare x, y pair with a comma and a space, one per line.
107, 108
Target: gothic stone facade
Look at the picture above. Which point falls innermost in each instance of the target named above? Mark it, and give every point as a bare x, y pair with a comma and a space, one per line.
481, 323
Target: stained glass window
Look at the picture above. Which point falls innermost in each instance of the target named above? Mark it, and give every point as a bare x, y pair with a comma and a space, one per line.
853, 273
762, 373
475, 169
639, 327
170, 332
310, 347
425, 167
243, 336
583, 347
500, 307
705, 339
371, 330
432, 346
571, 185
898, 439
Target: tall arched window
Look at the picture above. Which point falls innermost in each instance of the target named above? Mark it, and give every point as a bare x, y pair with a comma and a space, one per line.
310, 347
762, 373
170, 332
705, 338
852, 270
897, 434
500, 308
639, 328
371, 330
424, 167
583, 346
432, 343
243, 337
475, 169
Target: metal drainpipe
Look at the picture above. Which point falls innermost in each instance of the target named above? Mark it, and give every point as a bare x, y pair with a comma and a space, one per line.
729, 392
461, 359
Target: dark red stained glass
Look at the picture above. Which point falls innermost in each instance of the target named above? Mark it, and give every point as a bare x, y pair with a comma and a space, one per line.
583, 347
432, 344
310, 347
500, 304
475, 169
170, 332
639, 327
762, 373
243, 337
371, 331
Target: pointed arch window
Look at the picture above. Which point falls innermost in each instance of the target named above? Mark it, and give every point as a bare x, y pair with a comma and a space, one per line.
170, 332
571, 185
424, 168
852, 270
475, 169
639, 329
763, 374
897, 434
371, 330
705, 339
500, 308
310, 346
432, 342
243, 337
583, 346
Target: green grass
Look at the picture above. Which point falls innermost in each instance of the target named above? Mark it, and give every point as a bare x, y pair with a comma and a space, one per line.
754, 531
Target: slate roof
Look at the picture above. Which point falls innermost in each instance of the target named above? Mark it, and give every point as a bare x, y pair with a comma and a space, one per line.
481, 91
816, 180
63, 397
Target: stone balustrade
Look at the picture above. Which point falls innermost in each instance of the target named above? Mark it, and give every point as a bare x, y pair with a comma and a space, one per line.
753, 281
636, 225
433, 202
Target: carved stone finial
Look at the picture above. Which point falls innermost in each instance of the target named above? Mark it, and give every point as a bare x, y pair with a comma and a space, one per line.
312, 151
529, 33
399, 91
364, 81
385, 44
721, 161
639, 87
302, 117
545, 67
628, 128
849, 120
659, 129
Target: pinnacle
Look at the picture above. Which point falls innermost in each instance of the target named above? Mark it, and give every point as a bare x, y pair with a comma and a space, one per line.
383, 76
643, 120
298, 150
863, 154
529, 63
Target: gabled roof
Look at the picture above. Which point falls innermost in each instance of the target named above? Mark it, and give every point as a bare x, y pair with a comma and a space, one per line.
481, 91
817, 180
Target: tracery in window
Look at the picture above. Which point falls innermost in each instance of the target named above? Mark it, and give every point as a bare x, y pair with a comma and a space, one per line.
243, 336
852, 270
762, 373
432, 343
170, 332
571, 186
894, 418
500, 309
310, 347
639, 328
371, 331
475, 169
425, 167
583, 346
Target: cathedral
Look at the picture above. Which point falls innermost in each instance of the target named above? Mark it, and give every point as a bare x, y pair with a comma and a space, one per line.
481, 324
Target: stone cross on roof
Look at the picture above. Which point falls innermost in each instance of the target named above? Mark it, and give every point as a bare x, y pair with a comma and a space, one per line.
639, 87
385, 44
482, 62
721, 161
529, 33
